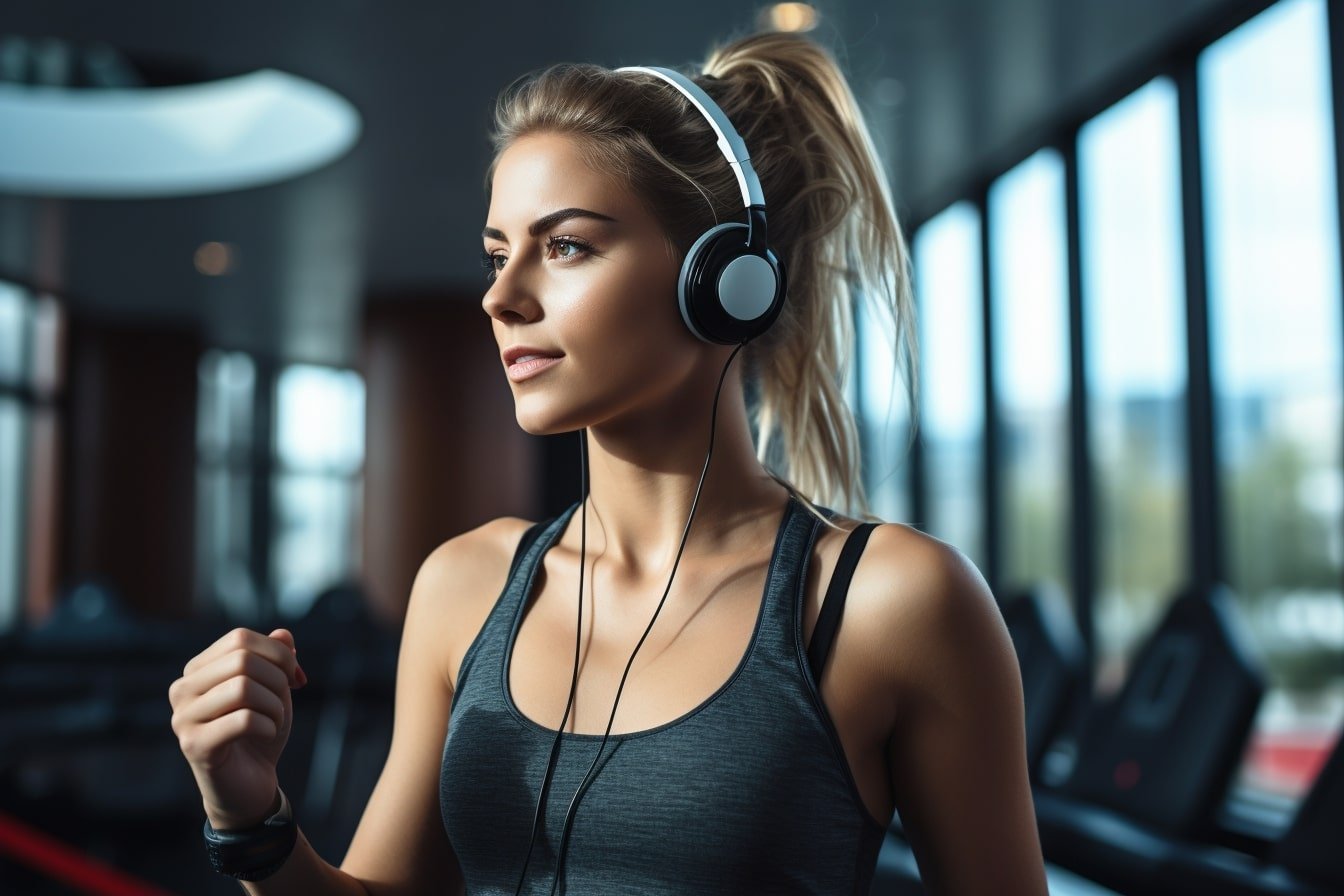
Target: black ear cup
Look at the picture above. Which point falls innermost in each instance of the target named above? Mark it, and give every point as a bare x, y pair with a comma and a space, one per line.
727, 292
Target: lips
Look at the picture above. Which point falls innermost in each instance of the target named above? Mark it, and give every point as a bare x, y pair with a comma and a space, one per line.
520, 353
522, 362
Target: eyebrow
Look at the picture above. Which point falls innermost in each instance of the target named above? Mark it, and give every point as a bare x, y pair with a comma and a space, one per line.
546, 222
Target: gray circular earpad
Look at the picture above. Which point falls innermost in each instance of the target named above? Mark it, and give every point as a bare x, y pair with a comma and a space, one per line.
747, 287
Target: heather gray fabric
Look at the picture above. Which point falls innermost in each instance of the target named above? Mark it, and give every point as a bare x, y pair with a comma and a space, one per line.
748, 793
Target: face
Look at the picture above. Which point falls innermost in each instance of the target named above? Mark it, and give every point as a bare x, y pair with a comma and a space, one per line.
583, 280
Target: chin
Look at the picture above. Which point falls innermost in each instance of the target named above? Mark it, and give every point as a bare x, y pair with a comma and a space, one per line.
540, 421
534, 429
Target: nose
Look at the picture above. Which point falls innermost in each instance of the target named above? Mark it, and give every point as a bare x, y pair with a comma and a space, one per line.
508, 299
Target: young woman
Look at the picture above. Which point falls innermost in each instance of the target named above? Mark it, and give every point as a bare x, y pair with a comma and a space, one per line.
629, 698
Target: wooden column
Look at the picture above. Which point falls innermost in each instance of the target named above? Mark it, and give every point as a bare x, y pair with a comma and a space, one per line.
444, 452
130, 463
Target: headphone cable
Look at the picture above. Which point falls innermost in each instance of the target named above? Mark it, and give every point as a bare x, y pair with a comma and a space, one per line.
588, 778
574, 679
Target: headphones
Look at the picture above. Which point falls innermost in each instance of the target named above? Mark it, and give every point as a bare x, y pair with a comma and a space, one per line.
732, 286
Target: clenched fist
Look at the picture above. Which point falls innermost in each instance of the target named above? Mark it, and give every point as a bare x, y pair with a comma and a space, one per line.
232, 716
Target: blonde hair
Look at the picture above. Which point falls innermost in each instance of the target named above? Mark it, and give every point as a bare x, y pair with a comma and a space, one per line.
832, 222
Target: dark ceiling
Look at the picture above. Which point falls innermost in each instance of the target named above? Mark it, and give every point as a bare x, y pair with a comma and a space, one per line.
952, 88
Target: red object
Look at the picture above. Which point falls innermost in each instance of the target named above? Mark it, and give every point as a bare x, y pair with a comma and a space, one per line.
62, 862
1289, 761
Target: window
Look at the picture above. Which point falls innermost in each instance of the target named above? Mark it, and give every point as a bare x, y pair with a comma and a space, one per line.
1135, 349
13, 505
14, 417
31, 330
952, 337
1029, 288
15, 317
318, 486
228, 391
883, 416
312, 477
1275, 330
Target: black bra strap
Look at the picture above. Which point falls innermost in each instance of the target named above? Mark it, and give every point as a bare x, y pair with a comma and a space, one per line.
828, 620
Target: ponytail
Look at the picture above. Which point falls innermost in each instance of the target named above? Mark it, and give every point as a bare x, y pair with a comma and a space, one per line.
833, 223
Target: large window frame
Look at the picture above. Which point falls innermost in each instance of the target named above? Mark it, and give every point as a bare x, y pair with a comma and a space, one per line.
1204, 522
246, 461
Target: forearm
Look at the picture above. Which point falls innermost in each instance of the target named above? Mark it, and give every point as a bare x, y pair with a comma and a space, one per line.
305, 873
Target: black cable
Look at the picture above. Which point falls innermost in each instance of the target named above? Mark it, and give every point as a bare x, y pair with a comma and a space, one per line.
587, 779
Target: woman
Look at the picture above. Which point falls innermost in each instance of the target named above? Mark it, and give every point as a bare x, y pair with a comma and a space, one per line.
695, 739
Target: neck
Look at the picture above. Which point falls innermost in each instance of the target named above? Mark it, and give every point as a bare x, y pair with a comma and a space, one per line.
643, 474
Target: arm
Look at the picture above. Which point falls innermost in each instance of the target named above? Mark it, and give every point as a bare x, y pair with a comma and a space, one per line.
957, 752
232, 715
400, 847
306, 872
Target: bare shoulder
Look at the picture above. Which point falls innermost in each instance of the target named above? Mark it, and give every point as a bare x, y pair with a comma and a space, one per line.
929, 618
936, 639
458, 584
475, 554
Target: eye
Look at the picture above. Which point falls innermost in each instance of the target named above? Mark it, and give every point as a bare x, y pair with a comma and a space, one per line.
578, 247
488, 264
565, 247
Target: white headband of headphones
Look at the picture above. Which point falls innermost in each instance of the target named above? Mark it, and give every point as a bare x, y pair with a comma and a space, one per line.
730, 144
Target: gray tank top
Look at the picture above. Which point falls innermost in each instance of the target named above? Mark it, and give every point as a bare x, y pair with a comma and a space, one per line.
748, 793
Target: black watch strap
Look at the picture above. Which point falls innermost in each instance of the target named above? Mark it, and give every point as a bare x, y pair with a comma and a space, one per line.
257, 852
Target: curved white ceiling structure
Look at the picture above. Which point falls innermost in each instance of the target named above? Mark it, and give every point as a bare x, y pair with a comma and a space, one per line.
112, 143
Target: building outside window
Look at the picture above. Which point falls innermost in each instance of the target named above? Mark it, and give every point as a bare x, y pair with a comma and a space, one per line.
1029, 297
1275, 333
952, 336
1136, 359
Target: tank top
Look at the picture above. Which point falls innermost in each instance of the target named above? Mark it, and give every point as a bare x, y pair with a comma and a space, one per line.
747, 793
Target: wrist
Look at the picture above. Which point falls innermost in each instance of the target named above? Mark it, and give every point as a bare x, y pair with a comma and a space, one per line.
255, 852
222, 822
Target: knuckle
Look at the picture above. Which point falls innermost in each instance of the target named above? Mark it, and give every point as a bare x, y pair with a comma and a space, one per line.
241, 661
252, 722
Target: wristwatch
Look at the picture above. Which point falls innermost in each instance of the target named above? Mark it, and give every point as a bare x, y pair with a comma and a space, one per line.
256, 852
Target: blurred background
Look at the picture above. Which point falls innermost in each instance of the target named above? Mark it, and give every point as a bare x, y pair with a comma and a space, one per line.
245, 379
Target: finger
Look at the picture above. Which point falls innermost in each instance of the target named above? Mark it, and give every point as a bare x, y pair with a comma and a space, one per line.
207, 739
230, 696
285, 636
235, 639
244, 639
239, 663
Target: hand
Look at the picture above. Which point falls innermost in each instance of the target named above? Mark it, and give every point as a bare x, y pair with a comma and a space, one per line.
232, 716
